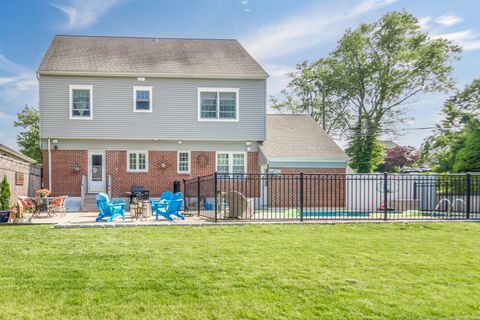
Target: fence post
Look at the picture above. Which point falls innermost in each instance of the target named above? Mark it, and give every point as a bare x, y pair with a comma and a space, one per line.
215, 195
385, 196
469, 194
301, 196
185, 203
198, 196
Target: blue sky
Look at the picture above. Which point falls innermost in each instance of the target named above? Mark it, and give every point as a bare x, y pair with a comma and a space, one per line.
278, 33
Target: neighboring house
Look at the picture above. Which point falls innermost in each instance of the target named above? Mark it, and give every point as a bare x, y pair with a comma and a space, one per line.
387, 144
22, 175
125, 111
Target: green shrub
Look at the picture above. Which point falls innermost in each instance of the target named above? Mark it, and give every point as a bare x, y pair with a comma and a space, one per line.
5, 194
457, 184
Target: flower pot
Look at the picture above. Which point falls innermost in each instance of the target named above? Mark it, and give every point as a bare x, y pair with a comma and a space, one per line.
4, 216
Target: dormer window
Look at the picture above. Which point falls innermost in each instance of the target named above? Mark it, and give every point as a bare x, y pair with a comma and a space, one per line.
218, 104
81, 102
142, 99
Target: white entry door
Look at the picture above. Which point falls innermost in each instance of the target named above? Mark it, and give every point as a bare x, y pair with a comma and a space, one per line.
96, 172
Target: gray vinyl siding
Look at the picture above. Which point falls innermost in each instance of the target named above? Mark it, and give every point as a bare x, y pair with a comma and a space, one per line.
174, 116
172, 145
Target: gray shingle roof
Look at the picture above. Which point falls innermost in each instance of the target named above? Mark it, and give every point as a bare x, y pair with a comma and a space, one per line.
155, 56
298, 136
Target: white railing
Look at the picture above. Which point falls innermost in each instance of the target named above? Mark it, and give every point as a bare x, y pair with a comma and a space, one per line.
83, 191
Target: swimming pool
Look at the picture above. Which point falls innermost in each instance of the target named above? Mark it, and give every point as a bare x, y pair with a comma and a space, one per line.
335, 214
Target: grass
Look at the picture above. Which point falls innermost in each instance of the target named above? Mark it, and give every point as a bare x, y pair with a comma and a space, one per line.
401, 271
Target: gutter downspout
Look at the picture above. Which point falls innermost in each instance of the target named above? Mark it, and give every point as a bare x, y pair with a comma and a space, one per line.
49, 166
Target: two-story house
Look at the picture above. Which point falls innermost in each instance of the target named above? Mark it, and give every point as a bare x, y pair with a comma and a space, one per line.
126, 111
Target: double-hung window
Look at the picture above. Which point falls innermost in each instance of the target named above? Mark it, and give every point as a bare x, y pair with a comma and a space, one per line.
218, 104
81, 102
142, 99
231, 162
137, 161
183, 162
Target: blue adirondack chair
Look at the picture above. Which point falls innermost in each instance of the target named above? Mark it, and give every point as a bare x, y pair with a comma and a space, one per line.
177, 196
166, 196
168, 209
109, 210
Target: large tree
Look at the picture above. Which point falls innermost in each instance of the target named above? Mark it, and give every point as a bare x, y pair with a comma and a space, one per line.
385, 64
29, 139
374, 71
440, 149
467, 159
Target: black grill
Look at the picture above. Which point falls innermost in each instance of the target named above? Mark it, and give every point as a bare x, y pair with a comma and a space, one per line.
139, 193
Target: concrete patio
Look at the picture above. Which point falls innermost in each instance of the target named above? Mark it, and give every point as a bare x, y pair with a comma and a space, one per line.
87, 219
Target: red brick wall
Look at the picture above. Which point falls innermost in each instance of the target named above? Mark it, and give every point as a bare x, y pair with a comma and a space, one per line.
65, 181
159, 179
324, 188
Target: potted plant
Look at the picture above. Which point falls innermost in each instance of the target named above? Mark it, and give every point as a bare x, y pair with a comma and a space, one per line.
5, 195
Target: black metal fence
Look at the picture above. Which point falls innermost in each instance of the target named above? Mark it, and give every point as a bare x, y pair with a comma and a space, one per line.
334, 196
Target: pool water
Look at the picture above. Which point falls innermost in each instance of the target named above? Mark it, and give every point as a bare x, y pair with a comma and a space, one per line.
336, 214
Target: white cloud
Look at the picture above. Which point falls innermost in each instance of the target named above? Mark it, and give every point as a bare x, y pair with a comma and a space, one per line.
448, 20
19, 86
84, 13
471, 45
304, 30
278, 78
3, 115
245, 2
468, 39
9, 66
423, 21
247, 10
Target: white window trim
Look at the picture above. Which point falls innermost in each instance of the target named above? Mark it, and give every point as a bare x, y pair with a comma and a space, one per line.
142, 88
189, 162
70, 100
128, 161
230, 160
218, 90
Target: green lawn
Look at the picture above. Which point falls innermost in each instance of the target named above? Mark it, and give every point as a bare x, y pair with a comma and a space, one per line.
401, 271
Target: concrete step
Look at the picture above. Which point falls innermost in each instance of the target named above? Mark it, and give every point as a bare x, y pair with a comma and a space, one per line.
90, 203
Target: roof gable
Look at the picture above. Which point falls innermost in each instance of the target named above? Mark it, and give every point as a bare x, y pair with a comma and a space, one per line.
150, 56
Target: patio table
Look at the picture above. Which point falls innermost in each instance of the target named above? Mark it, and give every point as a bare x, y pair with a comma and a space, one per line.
41, 203
138, 209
